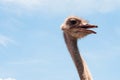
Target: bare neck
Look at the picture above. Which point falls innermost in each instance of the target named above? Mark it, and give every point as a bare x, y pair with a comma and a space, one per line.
71, 43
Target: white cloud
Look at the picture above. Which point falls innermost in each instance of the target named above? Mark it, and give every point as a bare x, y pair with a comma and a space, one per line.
60, 6
4, 41
105, 6
27, 4
7, 79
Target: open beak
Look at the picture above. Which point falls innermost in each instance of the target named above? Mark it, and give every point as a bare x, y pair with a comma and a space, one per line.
87, 27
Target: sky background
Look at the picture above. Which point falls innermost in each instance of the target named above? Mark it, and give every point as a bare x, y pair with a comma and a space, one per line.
32, 45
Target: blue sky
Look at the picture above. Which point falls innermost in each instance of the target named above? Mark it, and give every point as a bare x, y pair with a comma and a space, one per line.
32, 45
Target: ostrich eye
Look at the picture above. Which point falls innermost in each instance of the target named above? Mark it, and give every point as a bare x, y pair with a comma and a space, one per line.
73, 22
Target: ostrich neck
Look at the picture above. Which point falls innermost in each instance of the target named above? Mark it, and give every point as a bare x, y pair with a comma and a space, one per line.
71, 43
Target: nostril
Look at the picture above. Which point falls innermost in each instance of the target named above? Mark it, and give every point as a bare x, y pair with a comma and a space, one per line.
73, 22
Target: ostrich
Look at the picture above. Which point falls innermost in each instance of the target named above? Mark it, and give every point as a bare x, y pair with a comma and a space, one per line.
73, 29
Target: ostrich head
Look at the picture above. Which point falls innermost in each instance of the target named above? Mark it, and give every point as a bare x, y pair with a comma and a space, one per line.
77, 27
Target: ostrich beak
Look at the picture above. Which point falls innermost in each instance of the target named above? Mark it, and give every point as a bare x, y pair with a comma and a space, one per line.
87, 27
